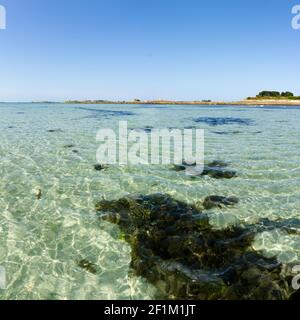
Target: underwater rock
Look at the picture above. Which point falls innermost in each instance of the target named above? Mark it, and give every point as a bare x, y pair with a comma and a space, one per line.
87, 265
219, 202
38, 194
175, 248
219, 173
215, 169
99, 167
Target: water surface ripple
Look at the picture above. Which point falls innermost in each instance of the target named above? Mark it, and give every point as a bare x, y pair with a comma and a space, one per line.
52, 147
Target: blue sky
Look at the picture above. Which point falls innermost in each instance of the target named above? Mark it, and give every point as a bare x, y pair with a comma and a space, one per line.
167, 49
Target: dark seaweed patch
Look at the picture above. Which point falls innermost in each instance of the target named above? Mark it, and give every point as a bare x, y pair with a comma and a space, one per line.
219, 173
175, 248
87, 265
218, 164
223, 133
179, 168
69, 146
226, 132
290, 226
146, 129
219, 202
215, 169
107, 113
223, 121
99, 167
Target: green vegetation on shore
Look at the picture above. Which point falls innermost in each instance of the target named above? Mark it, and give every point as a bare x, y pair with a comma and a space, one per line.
275, 95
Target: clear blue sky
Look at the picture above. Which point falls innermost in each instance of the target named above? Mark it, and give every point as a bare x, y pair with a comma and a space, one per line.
169, 49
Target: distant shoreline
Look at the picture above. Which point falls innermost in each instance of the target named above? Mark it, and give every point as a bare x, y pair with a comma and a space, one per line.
252, 102
249, 102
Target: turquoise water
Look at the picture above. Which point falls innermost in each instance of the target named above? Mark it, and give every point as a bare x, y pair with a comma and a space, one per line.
41, 241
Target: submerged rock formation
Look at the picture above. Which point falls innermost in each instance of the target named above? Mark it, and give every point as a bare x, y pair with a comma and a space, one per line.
216, 169
219, 202
175, 248
100, 167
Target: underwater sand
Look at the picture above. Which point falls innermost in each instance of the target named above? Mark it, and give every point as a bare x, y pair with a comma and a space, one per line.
52, 147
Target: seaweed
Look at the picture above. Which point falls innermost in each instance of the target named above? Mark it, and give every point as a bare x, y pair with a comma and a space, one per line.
219, 202
223, 121
226, 132
99, 167
215, 169
87, 265
175, 248
68, 146
107, 113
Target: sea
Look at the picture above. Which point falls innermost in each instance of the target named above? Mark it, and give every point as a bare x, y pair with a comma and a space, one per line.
51, 236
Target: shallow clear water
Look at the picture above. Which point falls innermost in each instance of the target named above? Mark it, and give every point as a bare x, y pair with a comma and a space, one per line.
41, 241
